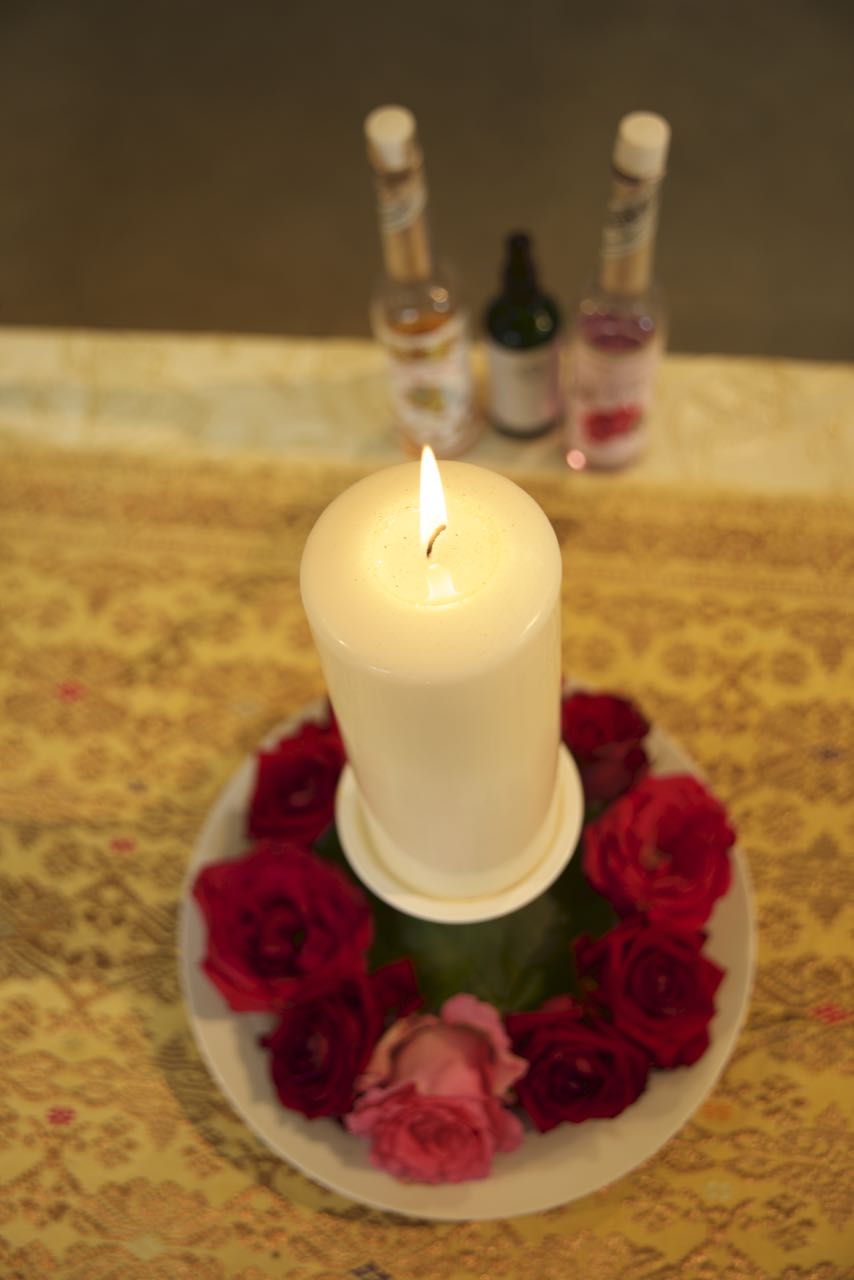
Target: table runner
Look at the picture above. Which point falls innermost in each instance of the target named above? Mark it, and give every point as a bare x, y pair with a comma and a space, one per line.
741, 423
152, 633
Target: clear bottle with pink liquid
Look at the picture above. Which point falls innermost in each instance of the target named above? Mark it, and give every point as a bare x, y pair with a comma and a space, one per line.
620, 327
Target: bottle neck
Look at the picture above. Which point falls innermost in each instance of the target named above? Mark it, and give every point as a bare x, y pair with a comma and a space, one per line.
628, 236
520, 284
402, 209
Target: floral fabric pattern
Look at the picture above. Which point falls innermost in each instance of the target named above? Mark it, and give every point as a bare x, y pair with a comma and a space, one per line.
152, 634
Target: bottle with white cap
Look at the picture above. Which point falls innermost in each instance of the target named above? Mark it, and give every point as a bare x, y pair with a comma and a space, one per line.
416, 310
619, 331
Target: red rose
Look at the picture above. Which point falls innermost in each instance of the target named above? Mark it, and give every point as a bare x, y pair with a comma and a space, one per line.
294, 796
656, 985
324, 1040
604, 735
275, 916
577, 1070
662, 850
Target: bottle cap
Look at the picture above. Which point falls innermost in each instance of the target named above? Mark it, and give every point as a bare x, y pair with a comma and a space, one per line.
390, 133
641, 145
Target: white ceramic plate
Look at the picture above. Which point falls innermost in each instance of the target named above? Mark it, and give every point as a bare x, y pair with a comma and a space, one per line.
548, 1169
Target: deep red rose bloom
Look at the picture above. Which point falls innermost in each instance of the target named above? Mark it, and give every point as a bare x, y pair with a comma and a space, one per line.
577, 1069
662, 850
325, 1038
656, 985
275, 916
294, 796
604, 735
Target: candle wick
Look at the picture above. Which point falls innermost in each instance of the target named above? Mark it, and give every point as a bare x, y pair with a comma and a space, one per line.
434, 536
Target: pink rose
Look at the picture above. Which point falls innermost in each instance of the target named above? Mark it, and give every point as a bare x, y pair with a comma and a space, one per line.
429, 1138
465, 1051
431, 1094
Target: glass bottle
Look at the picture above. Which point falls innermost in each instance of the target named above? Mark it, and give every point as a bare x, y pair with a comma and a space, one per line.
416, 312
523, 348
619, 329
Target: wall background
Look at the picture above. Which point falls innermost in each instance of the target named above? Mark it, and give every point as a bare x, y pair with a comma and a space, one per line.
190, 165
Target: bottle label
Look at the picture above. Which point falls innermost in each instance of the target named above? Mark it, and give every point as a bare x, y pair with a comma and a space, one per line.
400, 204
431, 383
609, 399
524, 386
630, 219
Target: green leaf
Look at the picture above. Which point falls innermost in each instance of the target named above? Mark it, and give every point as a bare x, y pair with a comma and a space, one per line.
515, 962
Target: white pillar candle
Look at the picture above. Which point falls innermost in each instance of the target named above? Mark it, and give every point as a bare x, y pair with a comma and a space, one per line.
444, 672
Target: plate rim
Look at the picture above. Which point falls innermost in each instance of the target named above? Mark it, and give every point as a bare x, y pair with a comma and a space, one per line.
459, 1202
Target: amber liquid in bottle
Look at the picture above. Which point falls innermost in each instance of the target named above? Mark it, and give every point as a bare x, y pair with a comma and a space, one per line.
416, 311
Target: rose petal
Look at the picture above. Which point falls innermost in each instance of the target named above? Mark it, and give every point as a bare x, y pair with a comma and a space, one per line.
663, 850
466, 1010
428, 1139
273, 916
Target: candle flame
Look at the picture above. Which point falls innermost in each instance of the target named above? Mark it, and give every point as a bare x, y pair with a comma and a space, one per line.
434, 513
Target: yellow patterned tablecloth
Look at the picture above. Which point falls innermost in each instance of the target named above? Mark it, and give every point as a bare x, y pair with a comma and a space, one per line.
151, 633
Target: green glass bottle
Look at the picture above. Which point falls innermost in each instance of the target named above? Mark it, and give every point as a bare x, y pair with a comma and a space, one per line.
523, 348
